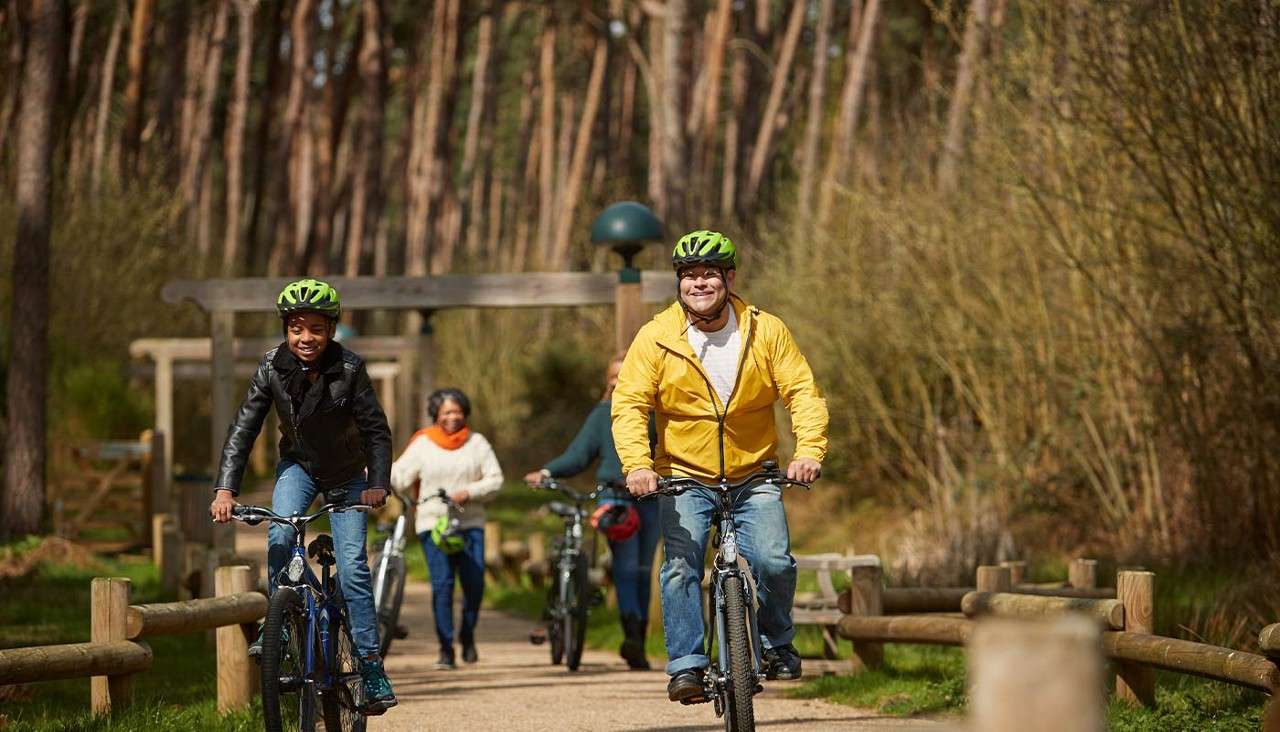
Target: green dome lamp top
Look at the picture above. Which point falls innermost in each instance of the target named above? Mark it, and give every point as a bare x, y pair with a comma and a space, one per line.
625, 227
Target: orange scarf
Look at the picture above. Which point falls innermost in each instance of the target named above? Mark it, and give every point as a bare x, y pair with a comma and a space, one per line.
445, 440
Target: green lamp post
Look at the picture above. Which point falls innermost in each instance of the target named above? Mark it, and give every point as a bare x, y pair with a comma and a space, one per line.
625, 227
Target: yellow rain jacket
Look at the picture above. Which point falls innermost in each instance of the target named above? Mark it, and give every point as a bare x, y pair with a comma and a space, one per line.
697, 436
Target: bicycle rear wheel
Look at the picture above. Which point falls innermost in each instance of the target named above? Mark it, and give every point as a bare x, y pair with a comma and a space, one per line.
342, 702
392, 597
575, 616
555, 628
289, 703
739, 712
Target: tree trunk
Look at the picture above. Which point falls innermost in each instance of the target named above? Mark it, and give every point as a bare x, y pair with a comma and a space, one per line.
652, 73
768, 123
674, 88
813, 125
547, 128
293, 147
366, 194
264, 156
840, 159
234, 142
431, 121
13, 72
710, 124
472, 185
197, 46
175, 33
958, 112
202, 132
139, 41
22, 506
581, 150
104, 98
733, 132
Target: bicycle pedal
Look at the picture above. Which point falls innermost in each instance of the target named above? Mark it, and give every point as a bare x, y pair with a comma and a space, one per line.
695, 700
759, 688
538, 637
401, 632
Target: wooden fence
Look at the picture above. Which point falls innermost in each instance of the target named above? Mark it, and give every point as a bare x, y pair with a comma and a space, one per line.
117, 648
874, 615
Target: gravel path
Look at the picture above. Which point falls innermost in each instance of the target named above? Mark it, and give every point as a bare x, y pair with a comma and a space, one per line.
514, 686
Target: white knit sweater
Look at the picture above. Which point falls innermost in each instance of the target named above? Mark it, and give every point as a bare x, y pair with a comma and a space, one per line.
472, 467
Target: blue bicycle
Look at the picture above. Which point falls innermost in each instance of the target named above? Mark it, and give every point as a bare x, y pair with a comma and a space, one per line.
310, 667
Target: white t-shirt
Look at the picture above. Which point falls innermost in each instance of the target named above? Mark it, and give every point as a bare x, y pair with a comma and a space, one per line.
718, 351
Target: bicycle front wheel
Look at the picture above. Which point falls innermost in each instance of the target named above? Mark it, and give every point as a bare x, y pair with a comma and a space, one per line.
391, 599
289, 702
575, 615
343, 700
739, 712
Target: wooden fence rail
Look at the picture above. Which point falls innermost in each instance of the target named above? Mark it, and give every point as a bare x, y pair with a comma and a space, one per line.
874, 615
114, 654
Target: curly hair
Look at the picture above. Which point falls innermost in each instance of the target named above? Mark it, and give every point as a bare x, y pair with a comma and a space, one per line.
440, 396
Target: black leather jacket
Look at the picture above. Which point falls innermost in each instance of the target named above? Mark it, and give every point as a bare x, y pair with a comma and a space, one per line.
340, 436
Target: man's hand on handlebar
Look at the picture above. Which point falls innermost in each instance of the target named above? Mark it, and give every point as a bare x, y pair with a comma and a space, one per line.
805, 470
374, 496
223, 502
642, 482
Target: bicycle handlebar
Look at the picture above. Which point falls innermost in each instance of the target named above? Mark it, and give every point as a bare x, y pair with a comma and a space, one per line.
674, 486
254, 515
551, 484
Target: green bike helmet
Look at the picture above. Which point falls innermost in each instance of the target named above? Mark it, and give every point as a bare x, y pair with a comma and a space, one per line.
705, 247
309, 296
446, 536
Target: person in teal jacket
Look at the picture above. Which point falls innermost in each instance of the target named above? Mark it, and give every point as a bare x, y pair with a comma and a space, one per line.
632, 557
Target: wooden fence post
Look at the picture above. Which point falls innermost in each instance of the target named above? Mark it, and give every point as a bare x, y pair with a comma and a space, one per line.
1017, 571
538, 558
993, 579
1083, 573
1043, 674
1136, 683
171, 550
493, 549
235, 670
158, 521
866, 600
108, 621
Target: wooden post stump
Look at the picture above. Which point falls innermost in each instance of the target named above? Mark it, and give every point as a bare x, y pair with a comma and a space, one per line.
866, 600
1083, 573
171, 550
235, 670
1017, 571
493, 549
1036, 674
108, 621
157, 539
994, 579
1136, 683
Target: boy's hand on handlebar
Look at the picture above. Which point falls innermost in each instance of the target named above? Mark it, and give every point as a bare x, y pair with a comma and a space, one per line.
642, 482
804, 470
374, 496
223, 502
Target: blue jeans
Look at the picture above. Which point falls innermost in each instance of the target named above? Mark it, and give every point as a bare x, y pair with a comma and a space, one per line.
295, 490
633, 562
468, 567
761, 523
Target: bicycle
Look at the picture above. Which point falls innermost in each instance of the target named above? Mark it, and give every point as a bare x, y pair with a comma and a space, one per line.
307, 648
739, 670
389, 576
569, 597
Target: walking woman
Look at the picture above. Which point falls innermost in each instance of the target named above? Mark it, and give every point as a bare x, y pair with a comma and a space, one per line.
448, 456
632, 529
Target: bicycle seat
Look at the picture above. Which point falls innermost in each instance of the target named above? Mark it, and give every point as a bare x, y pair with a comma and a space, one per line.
321, 550
562, 509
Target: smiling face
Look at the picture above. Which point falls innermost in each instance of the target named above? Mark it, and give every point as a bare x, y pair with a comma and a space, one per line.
451, 418
307, 335
704, 288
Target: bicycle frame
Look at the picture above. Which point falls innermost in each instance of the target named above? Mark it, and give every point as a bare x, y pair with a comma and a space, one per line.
571, 540
392, 546
319, 601
729, 563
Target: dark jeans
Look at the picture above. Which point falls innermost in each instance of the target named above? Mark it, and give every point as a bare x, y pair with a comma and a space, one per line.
468, 567
633, 562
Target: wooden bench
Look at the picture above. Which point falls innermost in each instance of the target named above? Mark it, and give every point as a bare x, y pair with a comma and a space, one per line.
822, 608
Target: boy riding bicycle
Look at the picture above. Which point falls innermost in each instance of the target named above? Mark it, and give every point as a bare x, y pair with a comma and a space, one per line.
712, 366
333, 435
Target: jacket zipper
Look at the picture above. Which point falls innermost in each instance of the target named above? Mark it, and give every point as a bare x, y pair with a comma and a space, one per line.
711, 392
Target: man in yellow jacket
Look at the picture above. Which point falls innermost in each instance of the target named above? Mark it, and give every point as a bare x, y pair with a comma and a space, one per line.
711, 367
